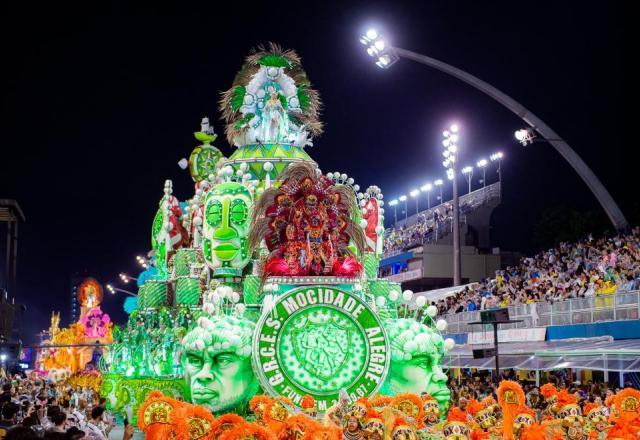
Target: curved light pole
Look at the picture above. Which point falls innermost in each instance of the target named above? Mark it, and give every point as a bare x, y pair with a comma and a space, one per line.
388, 55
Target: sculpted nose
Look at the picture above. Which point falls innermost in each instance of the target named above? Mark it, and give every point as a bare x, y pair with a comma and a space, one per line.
205, 374
224, 232
438, 375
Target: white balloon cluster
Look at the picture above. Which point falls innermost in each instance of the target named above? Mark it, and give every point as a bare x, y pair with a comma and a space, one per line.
223, 300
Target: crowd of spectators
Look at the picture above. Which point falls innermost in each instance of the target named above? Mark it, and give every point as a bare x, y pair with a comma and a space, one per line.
421, 232
34, 409
572, 270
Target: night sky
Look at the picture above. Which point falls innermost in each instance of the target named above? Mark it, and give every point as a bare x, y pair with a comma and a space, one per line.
99, 105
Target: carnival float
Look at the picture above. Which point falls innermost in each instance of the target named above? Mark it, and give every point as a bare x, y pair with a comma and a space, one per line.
72, 354
264, 281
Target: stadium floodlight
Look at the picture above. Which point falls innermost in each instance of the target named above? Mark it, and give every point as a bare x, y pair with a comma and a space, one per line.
403, 198
379, 48
415, 193
498, 157
438, 182
468, 173
394, 203
427, 187
525, 136
111, 289
482, 164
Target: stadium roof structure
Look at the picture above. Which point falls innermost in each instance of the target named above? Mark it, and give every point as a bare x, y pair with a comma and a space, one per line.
601, 353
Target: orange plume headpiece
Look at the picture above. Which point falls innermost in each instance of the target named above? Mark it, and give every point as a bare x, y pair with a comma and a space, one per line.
548, 390
247, 431
156, 416
627, 403
192, 422
534, 432
510, 397
410, 405
224, 423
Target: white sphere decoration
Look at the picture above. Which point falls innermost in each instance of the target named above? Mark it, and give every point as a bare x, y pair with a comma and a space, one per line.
381, 210
239, 173
420, 301
449, 344
360, 196
363, 223
343, 176
407, 356
241, 308
356, 187
410, 346
330, 175
441, 325
407, 295
244, 166
363, 203
199, 344
215, 298
235, 339
197, 221
379, 229
364, 211
394, 295
432, 311
272, 72
350, 180
267, 166
381, 301
235, 297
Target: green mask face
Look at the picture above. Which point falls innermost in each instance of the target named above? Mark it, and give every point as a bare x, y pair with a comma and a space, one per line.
217, 363
417, 352
218, 380
227, 215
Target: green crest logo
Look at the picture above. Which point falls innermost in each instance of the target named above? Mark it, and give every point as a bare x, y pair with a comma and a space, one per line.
318, 340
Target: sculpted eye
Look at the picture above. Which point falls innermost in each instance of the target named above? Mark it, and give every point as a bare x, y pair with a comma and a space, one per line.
239, 212
214, 213
195, 360
225, 359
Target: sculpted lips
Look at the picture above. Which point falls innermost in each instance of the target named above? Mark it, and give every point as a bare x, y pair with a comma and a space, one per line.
201, 394
226, 251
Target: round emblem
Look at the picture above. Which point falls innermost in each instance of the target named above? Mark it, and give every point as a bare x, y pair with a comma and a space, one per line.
318, 340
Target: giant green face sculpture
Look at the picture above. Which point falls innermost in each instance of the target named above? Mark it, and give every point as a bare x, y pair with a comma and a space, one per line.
217, 363
227, 214
416, 356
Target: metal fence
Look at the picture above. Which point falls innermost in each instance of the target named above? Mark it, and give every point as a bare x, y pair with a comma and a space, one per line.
614, 307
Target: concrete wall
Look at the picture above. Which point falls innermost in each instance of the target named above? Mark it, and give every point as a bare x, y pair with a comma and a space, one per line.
438, 263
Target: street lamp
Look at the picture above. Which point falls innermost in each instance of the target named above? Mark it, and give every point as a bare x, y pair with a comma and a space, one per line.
394, 203
468, 173
482, 164
427, 188
113, 290
536, 125
126, 278
142, 261
403, 198
415, 193
497, 157
450, 153
378, 48
439, 183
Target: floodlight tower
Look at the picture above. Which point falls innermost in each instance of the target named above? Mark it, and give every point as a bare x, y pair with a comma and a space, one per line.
403, 198
394, 203
450, 153
482, 164
468, 173
427, 187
